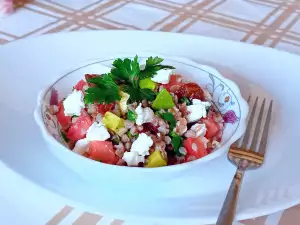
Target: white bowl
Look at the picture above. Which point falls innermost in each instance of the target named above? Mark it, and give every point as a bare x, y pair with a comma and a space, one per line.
226, 96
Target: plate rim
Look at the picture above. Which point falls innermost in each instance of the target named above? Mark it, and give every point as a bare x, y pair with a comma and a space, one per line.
240, 215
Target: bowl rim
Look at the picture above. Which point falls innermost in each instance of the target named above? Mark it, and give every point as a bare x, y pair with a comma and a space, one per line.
243, 106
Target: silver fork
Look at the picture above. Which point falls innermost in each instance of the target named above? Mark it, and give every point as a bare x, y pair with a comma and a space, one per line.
245, 158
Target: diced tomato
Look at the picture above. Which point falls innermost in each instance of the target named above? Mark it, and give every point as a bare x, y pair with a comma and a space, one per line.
195, 147
103, 108
211, 126
89, 76
78, 129
174, 83
190, 90
79, 86
63, 120
102, 151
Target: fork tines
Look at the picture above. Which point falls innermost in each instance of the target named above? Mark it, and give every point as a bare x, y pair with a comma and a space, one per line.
256, 151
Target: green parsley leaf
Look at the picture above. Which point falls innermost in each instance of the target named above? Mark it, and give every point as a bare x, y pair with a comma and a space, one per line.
134, 93
169, 117
154, 61
185, 100
129, 134
147, 94
105, 91
131, 115
103, 81
152, 66
137, 94
177, 142
64, 136
127, 70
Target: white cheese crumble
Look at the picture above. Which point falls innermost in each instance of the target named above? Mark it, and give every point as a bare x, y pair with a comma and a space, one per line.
199, 129
81, 146
74, 103
144, 115
142, 144
162, 76
133, 159
97, 132
197, 110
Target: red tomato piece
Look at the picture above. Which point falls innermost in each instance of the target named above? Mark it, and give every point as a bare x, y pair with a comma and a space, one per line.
63, 120
103, 108
89, 76
174, 83
211, 126
78, 129
102, 151
195, 147
79, 86
190, 90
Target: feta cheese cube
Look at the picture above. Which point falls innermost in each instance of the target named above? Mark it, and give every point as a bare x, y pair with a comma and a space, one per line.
81, 146
133, 159
142, 144
162, 76
199, 129
74, 103
97, 132
197, 110
144, 115
199, 102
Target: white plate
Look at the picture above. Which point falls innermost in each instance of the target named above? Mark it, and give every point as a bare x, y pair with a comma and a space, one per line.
29, 65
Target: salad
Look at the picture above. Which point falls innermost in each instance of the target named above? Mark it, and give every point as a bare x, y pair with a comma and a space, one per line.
140, 115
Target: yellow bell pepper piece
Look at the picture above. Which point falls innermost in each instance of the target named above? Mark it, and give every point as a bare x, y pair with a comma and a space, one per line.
156, 160
123, 102
112, 121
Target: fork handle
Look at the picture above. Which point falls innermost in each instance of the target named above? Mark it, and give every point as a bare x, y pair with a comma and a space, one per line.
227, 213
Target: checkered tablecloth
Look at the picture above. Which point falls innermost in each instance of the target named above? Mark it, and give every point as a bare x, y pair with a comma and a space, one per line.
273, 23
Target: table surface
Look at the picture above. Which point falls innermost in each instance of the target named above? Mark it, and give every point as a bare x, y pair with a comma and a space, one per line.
273, 23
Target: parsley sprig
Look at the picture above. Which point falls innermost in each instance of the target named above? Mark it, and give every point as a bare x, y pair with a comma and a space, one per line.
127, 70
128, 73
152, 66
177, 142
104, 91
131, 115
